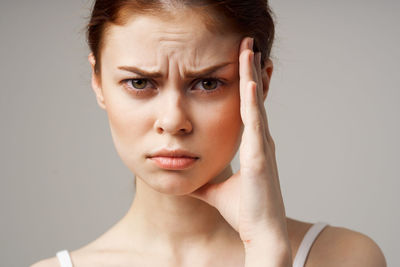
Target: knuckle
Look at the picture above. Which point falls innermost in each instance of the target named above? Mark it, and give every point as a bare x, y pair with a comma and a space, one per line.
257, 125
259, 165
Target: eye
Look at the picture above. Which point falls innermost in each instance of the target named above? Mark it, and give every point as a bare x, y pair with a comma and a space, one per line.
138, 86
141, 86
210, 85
138, 83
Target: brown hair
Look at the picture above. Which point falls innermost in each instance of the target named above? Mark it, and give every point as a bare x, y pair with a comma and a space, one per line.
251, 18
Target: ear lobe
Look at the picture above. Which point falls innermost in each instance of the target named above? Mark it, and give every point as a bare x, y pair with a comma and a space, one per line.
96, 84
266, 73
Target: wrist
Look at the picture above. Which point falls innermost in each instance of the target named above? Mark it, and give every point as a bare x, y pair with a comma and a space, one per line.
278, 248
268, 250
267, 237
267, 256
263, 259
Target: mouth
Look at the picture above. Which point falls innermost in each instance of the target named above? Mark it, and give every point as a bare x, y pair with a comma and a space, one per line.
177, 159
173, 163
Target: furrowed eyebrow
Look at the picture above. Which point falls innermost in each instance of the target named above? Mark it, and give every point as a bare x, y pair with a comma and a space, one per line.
189, 74
141, 72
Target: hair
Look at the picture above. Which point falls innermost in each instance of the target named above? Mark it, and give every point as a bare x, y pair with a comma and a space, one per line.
253, 18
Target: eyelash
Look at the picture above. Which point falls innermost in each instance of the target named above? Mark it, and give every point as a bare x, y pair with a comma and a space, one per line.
139, 92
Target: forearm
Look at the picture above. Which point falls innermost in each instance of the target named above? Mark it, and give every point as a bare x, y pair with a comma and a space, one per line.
264, 253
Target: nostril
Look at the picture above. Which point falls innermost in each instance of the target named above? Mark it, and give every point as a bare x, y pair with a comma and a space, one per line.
173, 127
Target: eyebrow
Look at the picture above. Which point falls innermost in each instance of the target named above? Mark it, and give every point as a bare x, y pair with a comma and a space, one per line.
189, 74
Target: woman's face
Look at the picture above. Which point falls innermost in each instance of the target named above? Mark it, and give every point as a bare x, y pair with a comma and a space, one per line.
178, 106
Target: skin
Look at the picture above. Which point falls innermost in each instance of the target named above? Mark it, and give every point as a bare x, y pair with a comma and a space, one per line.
205, 213
173, 113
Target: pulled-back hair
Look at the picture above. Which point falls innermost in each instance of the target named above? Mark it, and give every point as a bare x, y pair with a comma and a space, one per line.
251, 18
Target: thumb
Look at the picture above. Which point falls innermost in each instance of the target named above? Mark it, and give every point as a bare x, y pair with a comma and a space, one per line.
208, 193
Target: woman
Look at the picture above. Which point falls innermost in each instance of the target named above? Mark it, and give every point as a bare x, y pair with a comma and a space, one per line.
183, 84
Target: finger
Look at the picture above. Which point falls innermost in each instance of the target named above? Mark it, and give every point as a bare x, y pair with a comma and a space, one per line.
263, 109
254, 132
245, 70
257, 72
260, 91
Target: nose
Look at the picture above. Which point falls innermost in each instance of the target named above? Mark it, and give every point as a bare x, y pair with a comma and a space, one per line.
172, 116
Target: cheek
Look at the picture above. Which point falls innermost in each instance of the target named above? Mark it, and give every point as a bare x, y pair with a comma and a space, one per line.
222, 126
128, 125
127, 119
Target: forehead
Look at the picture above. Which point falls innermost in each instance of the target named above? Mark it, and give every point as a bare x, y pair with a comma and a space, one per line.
183, 36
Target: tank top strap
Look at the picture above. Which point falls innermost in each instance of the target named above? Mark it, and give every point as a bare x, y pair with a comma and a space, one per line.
64, 258
307, 242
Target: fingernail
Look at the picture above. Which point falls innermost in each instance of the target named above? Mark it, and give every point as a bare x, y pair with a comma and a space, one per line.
252, 57
251, 43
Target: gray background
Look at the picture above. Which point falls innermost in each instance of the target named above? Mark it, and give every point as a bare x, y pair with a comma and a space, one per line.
333, 110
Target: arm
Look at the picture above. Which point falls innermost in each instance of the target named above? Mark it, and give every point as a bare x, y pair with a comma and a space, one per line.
269, 250
251, 200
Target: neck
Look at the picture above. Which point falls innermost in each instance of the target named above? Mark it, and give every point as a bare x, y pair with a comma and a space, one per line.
176, 221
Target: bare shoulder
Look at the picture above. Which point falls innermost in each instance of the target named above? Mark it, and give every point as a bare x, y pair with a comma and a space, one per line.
339, 246
50, 262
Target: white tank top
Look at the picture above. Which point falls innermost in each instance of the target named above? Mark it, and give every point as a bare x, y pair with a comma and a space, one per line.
299, 261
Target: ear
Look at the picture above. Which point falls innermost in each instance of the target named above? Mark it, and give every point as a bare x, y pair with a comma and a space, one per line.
96, 83
266, 74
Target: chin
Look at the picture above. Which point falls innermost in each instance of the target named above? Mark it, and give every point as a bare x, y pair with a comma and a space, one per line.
180, 183
171, 184
172, 188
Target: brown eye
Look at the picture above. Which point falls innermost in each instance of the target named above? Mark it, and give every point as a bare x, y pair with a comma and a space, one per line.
209, 84
139, 83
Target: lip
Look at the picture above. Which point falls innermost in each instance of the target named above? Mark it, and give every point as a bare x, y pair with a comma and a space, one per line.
176, 153
177, 159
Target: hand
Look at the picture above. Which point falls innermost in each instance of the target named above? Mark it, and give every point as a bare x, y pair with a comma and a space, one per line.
251, 200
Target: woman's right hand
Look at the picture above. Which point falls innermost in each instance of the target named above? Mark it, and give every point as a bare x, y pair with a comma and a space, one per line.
251, 200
